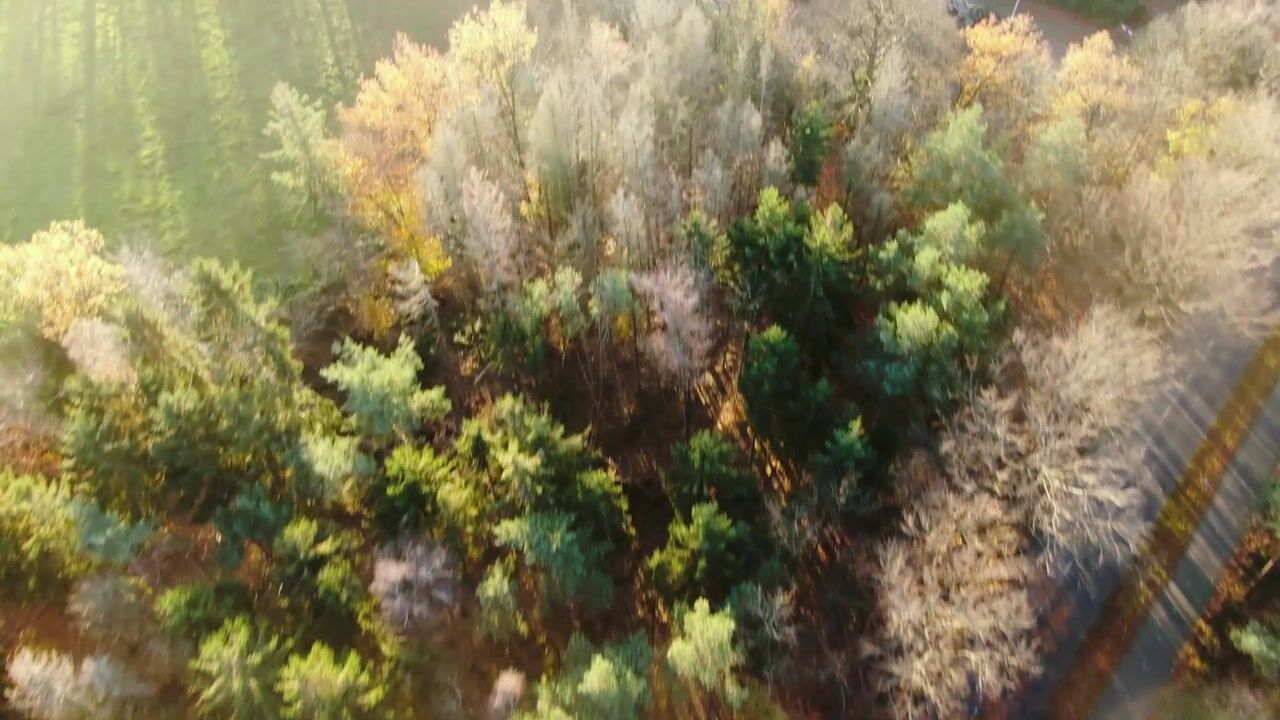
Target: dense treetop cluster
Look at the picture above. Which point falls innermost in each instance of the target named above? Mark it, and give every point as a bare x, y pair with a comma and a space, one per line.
652, 358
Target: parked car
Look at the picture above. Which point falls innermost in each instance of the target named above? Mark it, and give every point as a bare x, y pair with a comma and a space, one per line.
966, 13
1121, 34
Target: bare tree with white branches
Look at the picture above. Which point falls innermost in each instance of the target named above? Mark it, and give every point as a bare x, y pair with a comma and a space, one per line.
508, 689
46, 685
99, 351
490, 240
682, 334
1187, 241
1063, 448
414, 584
956, 616
411, 293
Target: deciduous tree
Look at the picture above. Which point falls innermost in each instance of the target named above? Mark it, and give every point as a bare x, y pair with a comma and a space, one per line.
873, 59
43, 684
47, 686
683, 334
414, 585
1218, 47
1008, 72
59, 276
112, 608
1063, 449
99, 351
957, 622
490, 239
1094, 82
492, 46
1187, 242
411, 293
507, 691
387, 134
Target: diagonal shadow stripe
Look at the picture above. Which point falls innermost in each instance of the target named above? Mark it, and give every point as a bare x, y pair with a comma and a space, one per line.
1110, 638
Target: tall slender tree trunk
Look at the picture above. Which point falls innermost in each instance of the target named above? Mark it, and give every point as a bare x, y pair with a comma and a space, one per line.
1008, 265
685, 392
635, 348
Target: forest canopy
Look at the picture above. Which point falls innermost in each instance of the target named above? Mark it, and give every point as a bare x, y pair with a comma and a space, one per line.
652, 358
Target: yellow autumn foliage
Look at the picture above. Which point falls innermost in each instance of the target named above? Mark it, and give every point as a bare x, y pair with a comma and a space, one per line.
58, 277
1006, 70
375, 314
1094, 83
1193, 131
488, 46
387, 136
491, 43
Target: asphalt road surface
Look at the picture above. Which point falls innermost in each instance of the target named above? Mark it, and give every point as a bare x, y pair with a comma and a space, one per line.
1062, 28
1059, 27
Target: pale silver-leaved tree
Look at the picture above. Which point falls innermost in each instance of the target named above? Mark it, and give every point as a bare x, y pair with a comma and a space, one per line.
1064, 448
957, 621
47, 685
490, 240
99, 351
508, 689
1188, 240
680, 340
414, 584
411, 293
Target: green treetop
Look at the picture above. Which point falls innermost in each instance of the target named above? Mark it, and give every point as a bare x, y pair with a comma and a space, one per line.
320, 686
235, 672
384, 399
703, 653
611, 683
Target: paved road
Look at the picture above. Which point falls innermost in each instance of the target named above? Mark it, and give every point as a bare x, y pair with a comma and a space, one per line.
1059, 27
1213, 362
1147, 668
